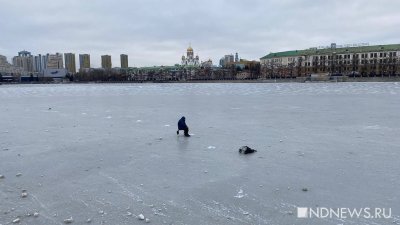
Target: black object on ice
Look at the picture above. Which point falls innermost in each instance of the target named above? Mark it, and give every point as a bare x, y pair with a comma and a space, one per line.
182, 126
246, 150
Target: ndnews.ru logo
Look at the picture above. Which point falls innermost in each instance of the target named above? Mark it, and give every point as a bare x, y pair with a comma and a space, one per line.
344, 213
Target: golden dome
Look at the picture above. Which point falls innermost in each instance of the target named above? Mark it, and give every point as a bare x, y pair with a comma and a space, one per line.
190, 49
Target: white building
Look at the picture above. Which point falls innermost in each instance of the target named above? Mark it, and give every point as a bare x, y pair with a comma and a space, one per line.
54, 73
8, 69
334, 59
190, 60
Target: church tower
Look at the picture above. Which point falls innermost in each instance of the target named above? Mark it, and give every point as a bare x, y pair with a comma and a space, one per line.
190, 59
190, 53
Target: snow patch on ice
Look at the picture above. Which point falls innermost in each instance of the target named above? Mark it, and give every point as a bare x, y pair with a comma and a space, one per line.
211, 147
69, 220
372, 127
140, 217
240, 194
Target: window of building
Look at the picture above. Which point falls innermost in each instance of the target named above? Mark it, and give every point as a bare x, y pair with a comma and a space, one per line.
375, 55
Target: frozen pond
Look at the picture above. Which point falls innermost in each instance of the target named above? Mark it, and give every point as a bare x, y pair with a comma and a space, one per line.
109, 152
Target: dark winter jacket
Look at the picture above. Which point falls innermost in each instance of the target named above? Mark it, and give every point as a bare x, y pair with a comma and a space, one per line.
182, 124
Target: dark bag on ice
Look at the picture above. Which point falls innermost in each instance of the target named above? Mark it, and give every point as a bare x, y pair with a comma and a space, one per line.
246, 150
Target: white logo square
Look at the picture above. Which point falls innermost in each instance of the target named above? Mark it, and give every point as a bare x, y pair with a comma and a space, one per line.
302, 212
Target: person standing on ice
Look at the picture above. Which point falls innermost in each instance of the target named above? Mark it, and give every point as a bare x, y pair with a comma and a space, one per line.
182, 126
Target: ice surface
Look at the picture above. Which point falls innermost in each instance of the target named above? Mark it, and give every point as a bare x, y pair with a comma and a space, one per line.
97, 156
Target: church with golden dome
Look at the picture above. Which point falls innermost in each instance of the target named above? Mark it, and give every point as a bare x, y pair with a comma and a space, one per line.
190, 60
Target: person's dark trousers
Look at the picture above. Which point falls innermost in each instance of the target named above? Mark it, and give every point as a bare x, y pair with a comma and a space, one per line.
186, 130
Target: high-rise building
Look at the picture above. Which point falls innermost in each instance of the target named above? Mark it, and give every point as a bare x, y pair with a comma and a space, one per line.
84, 61
55, 61
124, 61
106, 62
24, 60
229, 59
45, 59
37, 63
70, 62
222, 62
24, 53
8, 69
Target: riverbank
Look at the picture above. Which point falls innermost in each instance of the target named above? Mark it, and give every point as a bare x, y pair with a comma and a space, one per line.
293, 80
277, 80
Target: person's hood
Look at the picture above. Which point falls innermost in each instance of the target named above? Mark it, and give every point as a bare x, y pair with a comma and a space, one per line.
183, 118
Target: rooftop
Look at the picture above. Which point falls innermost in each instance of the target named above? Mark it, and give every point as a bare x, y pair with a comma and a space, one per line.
307, 52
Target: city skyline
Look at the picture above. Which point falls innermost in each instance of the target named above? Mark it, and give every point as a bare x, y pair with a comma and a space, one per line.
159, 36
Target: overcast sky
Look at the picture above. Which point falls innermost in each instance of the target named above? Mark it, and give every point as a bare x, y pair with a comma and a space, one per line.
157, 32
